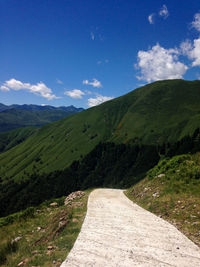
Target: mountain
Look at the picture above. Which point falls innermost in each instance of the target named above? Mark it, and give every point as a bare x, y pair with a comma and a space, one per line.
39, 107
17, 116
164, 111
15, 137
111, 145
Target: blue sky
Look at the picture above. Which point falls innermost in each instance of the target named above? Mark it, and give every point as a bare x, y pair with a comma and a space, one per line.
84, 52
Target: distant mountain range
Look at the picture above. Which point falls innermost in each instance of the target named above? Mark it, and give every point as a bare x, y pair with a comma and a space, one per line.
18, 116
38, 107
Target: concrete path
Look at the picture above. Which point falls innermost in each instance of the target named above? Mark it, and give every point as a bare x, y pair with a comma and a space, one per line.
117, 232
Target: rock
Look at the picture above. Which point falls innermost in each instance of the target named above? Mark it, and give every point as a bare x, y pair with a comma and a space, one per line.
156, 194
182, 207
146, 189
34, 252
54, 204
195, 223
50, 247
161, 175
16, 239
38, 228
73, 196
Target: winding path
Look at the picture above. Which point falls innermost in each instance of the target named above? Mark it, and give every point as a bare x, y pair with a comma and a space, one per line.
117, 232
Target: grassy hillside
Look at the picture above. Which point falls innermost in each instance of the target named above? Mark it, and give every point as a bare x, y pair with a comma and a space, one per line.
15, 137
156, 113
17, 118
171, 190
46, 233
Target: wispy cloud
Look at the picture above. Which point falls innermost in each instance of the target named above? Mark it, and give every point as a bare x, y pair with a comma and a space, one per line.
192, 50
99, 62
196, 22
151, 18
75, 93
59, 81
98, 100
94, 83
92, 36
164, 12
159, 63
39, 89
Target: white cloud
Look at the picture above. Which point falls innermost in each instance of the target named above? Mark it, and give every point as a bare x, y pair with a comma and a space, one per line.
4, 88
186, 47
75, 93
94, 83
151, 18
196, 22
164, 12
98, 100
92, 36
159, 63
59, 81
192, 51
38, 89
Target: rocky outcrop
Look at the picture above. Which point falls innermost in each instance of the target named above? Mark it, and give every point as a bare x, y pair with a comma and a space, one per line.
73, 196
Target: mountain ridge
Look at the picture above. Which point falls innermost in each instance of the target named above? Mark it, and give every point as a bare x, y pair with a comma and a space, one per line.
33, 107
161, 112
18, 116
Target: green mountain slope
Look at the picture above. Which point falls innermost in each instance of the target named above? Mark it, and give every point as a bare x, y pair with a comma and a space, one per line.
17, 118
153, 114
15, 137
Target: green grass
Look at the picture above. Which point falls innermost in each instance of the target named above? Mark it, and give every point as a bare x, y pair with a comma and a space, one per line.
172, 191
41, 229
17, 118
15, 137
153, 114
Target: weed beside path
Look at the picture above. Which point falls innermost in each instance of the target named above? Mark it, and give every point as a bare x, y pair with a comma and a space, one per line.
171, 190
45, 236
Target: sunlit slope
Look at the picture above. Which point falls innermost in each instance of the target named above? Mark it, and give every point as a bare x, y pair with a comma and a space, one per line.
57, 145
162, 111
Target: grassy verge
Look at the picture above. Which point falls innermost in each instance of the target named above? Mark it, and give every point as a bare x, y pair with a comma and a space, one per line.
171, 190
46, 235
